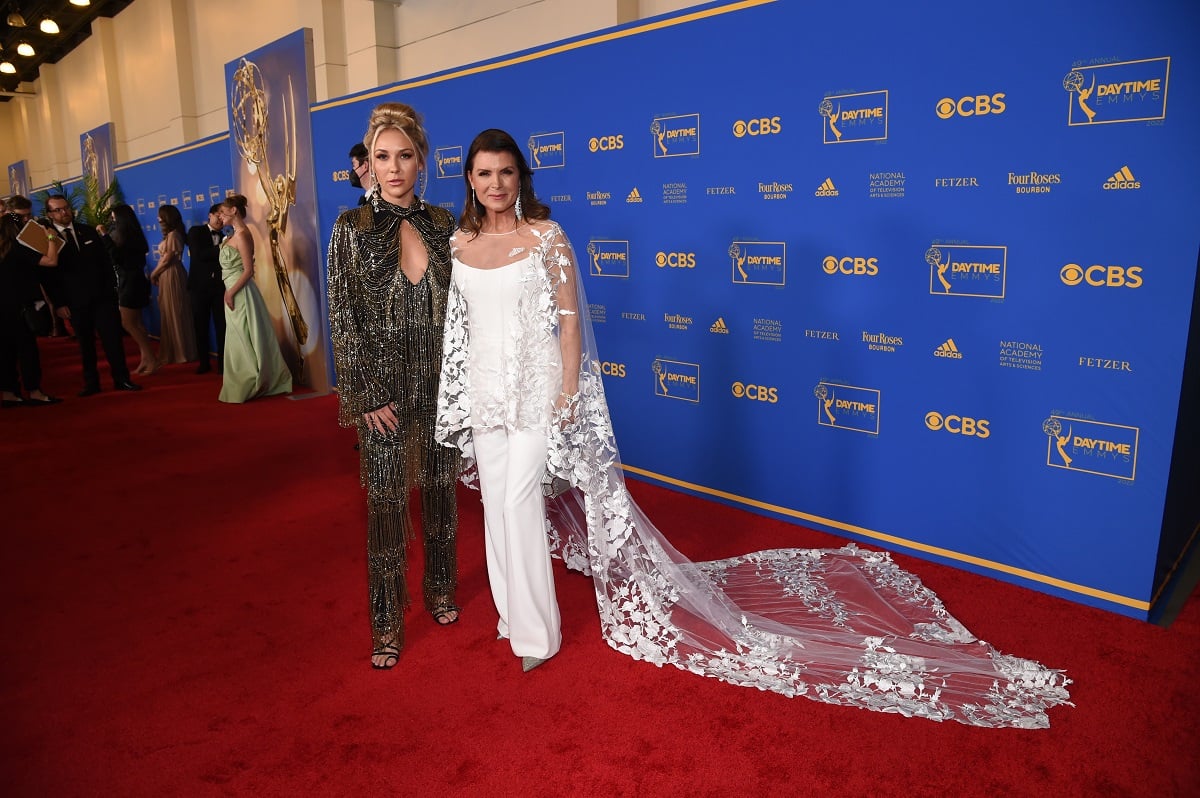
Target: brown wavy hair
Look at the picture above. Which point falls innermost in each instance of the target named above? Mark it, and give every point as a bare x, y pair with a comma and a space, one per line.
169, 219
495, 140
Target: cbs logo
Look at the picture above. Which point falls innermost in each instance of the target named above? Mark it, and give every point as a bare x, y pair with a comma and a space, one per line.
867, 266
757, 127
1111, 276
676, 260
606, 143
958, 425
979, 105
609, 369
757, 393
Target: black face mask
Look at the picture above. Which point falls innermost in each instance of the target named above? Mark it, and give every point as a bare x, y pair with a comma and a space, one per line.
354, 181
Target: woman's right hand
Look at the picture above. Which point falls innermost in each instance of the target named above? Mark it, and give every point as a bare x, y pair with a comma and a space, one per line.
383, 419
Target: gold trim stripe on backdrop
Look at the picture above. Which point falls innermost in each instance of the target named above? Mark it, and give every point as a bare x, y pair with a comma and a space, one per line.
870, 533
555, 50
151, 158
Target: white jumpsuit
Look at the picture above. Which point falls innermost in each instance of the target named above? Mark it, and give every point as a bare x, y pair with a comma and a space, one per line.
511, 460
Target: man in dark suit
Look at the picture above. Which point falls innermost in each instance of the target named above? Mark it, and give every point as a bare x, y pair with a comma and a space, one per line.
205, 288
88, 284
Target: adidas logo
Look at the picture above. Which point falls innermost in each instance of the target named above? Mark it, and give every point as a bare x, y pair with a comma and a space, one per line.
948, 349
634, 196
719, 327
827, 189
1122, 179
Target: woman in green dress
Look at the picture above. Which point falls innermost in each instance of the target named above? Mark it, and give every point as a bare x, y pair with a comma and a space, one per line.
254, 364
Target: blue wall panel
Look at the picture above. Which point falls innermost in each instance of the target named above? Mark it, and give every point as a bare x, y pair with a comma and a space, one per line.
871, 325
960, 140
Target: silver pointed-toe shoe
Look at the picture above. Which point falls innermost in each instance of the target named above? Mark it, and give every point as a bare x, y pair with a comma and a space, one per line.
529, 663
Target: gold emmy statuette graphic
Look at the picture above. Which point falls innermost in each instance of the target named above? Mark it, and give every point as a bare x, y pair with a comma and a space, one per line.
251, 129
826, 110
1053, 428
739, 261
91, 161
595, 256
659, 133
933, 256
533, 152
662, 377
1073, 82
822, 393
439, 160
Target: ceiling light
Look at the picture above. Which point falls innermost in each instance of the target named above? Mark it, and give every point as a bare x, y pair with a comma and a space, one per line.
25, 49
49, 26
15, 20
81, 2
7, 68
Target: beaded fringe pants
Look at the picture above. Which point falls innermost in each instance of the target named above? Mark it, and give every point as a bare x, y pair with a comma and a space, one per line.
392, 466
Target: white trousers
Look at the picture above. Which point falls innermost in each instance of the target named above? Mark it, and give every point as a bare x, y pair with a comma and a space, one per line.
511, 464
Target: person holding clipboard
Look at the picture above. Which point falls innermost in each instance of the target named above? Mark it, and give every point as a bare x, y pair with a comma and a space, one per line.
22, 250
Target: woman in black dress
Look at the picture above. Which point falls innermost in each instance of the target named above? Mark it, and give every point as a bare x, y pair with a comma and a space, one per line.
128, 248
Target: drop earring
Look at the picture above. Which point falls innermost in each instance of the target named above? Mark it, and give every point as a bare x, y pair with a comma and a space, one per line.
423, 180
520, 215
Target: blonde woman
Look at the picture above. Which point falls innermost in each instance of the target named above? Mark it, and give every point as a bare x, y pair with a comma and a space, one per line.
389, 273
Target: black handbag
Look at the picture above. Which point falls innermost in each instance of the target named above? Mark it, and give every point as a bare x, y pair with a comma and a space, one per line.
552, 486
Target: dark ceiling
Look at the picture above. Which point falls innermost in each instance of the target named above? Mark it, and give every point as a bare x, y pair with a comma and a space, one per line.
75, 25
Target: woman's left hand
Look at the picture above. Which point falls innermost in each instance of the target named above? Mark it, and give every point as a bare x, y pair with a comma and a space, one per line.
564, 408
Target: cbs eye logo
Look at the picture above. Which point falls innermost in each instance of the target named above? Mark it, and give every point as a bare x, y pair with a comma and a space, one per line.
757, 127
958, 425
676, 260
757, 393
867, 266
1105, 276
606, 143
979, 105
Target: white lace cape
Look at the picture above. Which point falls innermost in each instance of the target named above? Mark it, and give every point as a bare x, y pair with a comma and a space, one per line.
844, 626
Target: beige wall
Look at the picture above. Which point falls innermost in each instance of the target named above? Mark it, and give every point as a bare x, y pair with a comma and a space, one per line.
156, 70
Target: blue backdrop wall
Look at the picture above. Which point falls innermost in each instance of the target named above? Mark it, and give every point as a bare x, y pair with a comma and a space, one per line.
921, 276
193, 178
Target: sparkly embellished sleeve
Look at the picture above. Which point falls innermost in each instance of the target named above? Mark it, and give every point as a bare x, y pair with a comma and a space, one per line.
358, 389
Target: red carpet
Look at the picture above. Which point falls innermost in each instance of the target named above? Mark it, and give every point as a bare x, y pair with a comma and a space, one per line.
184, 607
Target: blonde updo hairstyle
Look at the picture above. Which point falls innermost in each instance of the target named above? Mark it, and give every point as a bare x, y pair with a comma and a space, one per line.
397, 116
